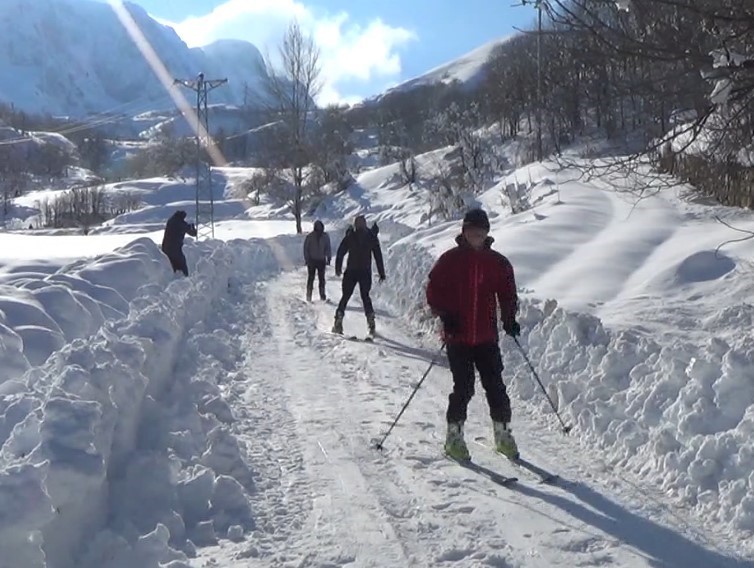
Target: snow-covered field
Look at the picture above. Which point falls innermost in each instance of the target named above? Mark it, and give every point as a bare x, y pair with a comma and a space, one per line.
151, 420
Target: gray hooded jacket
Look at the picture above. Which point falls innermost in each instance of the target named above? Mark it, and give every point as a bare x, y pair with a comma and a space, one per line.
317, 245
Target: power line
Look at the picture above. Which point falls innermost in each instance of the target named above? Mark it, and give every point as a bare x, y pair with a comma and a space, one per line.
102, 118
538, 5
205, 202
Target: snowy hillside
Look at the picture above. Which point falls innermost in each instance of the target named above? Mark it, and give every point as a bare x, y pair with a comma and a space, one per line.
467, 70
156, 198
74, 57
27, 147
223, 118
151, 420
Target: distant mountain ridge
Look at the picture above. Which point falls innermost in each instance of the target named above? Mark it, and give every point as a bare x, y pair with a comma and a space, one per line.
74, 57
468, 70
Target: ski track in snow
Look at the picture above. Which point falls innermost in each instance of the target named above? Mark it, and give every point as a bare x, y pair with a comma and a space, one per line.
308, 407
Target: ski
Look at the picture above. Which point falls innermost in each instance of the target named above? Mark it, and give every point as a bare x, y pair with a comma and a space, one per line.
356, 338
545, 477
495, 477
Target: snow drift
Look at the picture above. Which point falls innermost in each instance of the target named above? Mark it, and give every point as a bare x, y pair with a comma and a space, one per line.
677, 415
69, 428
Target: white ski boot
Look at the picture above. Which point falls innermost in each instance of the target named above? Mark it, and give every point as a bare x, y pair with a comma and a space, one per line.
455, 445
504, 441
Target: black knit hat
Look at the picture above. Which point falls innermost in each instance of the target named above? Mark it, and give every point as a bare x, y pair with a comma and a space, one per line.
477, 218
360, 220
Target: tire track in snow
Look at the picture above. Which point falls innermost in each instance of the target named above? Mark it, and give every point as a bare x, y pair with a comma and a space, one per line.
309, 403
443, 529
306, 480
281, 502
368, 536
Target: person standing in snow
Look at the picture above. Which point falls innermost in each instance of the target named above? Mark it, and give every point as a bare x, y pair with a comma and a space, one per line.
172, 240
467, 285
360, 244
317, 254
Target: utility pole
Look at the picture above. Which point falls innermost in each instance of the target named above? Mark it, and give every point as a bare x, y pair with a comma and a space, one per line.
538, 6
205, 202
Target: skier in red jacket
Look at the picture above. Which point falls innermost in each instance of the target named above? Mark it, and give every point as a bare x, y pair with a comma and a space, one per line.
466, 287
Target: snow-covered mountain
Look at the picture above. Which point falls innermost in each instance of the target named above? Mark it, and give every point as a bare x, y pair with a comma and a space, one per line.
74, 57
467, 70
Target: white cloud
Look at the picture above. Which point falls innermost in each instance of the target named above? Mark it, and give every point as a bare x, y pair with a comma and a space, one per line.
350, 52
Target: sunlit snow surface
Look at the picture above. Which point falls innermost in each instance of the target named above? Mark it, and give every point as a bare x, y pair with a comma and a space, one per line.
147, 419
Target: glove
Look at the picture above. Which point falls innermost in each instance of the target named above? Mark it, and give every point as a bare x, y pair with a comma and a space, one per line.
382, 277
451, 324
328, 262
337, 272
512, 328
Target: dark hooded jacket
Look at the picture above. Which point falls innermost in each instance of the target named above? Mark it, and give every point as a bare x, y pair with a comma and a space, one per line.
360, 245
469, 286
175, 230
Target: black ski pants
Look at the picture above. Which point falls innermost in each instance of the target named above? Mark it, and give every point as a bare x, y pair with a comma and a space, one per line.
488, 361
177, 261
316, 267
350, 279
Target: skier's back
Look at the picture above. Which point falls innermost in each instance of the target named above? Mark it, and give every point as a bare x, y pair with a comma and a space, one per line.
176, 229
360, 244
316, 255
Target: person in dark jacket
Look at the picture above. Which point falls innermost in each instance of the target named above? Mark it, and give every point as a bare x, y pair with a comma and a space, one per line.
360, 244
317, 254
467, 286
172, 240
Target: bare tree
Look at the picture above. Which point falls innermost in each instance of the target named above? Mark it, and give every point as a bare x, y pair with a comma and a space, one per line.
52, 159
166, 156
264, 181
397, 145
93, 149
84, 206
457, 126
125, 201
291, 87
749, 235
334, 146
669, 82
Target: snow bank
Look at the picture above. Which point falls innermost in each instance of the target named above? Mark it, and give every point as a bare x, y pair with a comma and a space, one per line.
157, 214
69, 429
678, 415
164, 191
40, 313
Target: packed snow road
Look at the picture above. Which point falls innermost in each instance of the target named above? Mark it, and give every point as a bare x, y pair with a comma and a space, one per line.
306, 408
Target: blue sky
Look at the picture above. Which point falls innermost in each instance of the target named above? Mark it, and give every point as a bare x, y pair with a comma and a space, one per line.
367, 45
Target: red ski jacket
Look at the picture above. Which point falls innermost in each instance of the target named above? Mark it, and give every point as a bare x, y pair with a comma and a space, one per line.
466, 284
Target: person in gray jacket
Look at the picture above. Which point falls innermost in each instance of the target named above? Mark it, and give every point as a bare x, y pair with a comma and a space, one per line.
317, 254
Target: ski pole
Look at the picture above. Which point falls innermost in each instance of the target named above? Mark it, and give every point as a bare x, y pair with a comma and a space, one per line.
566, 429
378, 445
